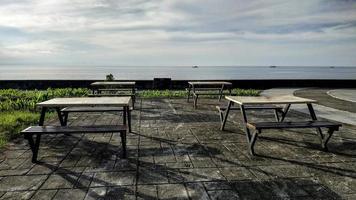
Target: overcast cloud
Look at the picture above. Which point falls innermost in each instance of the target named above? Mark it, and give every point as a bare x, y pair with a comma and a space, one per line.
178, 32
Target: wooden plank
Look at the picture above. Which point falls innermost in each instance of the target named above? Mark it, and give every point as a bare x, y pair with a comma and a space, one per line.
86, 101
90, 109
73, 129
113, 83
112, 95
287, 99
209, 83
253, 107
282, 125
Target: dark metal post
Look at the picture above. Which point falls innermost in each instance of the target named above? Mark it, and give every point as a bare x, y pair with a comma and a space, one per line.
60, 117
188, 97
42, 117
222, 127
284, 112
313, 116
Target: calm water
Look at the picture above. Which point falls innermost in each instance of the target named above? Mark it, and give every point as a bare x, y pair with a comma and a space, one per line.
176, 73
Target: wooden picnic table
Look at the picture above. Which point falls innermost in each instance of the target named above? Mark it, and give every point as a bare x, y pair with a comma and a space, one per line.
114, 88
287, 101
198, 88
58, 103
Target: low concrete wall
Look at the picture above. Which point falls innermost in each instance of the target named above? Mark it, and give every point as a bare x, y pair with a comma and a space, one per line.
179, 84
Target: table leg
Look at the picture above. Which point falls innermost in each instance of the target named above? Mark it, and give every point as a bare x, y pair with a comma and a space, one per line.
244, 119
284, 112
189, 88
128, 117
223, 122
221, 92
313, 116
60, 117
42, 117
124, 115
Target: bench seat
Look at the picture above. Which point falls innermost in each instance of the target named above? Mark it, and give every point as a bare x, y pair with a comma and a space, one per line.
37, 131
324, 138
282, 125
252, 107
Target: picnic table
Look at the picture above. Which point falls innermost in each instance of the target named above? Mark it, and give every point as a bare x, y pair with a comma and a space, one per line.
33, 133
245, 101
207, 88
114, 88
59, 103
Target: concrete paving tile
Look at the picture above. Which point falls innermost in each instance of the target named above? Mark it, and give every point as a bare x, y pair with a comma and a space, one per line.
44, 194
221, 185
17, 195
124, 192
237, 173
97, 193
197, 191
147, 192
113, 179
70, 194
60, 181
13, 183
223, 194
172, 191
152, 176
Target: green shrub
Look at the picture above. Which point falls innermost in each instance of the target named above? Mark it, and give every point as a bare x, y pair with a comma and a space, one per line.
11, 123
13, 99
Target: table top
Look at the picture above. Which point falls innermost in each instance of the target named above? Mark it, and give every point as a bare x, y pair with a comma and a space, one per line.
285, 99
209, 83
113, 83
86, 101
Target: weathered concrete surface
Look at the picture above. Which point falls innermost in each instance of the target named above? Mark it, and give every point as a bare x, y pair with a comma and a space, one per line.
327, 107
176, 152
343, 94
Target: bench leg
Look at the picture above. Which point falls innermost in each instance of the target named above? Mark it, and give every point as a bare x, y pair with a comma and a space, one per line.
276, 115
123, 143
65, 118
128, 112
252, 142
34, 145
195, 101
221, 92
221, 116
284, 112
224, 116
133, 102
325, 140
60, 117
313, 116
188, 93
42, 117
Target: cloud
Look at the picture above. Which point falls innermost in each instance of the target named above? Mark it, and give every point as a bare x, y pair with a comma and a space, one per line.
140, 31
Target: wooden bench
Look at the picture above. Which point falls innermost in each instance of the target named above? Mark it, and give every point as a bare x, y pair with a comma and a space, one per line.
324, 138
65, 111
276, 109
31, 131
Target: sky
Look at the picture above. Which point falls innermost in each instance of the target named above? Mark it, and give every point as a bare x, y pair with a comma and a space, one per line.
178, 32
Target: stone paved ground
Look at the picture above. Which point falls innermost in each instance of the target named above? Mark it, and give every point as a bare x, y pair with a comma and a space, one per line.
176, 152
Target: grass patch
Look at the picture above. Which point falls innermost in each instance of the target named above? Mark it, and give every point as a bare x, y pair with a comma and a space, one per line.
11, 123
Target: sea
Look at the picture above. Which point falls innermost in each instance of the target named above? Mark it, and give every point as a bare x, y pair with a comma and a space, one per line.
29, 72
